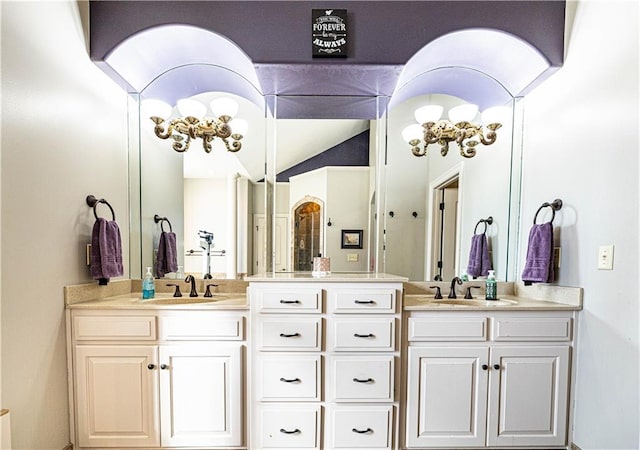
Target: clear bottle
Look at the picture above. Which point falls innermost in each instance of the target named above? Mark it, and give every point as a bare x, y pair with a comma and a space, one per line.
491, 286
148, 285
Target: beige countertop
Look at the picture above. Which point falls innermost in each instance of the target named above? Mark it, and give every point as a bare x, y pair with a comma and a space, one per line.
222, 301
504, 303
338, 277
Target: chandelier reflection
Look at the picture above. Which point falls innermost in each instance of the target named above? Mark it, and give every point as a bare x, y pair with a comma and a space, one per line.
194, 125
460, 129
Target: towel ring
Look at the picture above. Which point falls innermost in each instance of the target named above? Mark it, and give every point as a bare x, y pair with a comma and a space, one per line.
555, 205
93, 202
488, 220
162, 220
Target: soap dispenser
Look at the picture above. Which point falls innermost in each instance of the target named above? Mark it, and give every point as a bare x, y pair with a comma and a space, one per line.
491, 286
148, 285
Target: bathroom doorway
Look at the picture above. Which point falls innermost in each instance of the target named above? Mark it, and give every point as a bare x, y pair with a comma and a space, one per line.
445, 229
307, 234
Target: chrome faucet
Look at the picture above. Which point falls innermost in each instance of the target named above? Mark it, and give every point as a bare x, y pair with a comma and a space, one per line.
192, 280
452, 290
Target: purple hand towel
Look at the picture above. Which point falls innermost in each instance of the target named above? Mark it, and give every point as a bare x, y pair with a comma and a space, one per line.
106, 250
167, 257
538, 267
479, 262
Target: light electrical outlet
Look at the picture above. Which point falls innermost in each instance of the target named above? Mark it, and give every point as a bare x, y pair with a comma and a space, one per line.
605, 257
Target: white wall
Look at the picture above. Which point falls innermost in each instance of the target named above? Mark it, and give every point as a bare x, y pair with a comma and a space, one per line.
64, 136
581, 145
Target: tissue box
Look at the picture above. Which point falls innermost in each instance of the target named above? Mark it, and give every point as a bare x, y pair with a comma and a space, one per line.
321, 266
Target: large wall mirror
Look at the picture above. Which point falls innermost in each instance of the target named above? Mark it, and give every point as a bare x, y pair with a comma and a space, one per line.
344, 168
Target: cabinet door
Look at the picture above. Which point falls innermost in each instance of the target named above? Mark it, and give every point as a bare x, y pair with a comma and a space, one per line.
200, 387
447, 396
117, 396
528, 396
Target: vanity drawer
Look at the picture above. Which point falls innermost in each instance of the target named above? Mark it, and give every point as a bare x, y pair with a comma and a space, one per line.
531, 329
114, 327
299, 334
363, 334
290, 427
447, 328
290, 379
289, 300
362, 379
359, 427
201, 325
365, 300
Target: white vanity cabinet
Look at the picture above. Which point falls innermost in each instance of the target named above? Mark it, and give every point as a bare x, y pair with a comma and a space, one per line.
157, 378
326, 363
488, 379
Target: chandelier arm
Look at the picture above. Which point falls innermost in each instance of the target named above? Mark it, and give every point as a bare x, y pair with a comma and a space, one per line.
419, 152
180, 146
233, 147
159, 129
206, 143
445, 147
489, 139
467, 151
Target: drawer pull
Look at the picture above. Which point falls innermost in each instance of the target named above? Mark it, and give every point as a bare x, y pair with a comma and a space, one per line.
290, 302
296, 431
292, 380
358, 380
368, 430
370, 335
289, 335
364, 302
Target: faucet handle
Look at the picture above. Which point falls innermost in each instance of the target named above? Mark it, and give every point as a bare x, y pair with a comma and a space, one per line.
208, 291
468, 295
438, 293
177, 292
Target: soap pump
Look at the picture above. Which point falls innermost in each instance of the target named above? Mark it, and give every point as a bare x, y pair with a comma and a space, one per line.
148, 285
491, 286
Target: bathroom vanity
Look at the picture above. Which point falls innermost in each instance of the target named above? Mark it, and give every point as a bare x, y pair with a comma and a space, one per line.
340, 362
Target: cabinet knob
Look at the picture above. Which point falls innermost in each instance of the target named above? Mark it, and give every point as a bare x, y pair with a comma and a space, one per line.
282, 430
368, 430
289, 335
164, 366
496, 366
151, 366
358, 380
485, 367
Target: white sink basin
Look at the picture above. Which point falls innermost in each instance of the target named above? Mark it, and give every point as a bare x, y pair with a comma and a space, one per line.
475, 302
185, 300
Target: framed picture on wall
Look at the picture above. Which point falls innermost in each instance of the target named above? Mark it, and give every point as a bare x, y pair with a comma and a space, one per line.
351, 239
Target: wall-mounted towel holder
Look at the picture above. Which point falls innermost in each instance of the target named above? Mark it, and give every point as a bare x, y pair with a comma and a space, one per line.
162, 220
555, 205
92, 201
487, 221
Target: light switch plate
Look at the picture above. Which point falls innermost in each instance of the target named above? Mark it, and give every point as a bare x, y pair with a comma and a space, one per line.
605, 257
352, 257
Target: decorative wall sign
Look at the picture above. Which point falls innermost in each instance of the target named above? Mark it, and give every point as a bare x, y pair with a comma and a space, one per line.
329, 33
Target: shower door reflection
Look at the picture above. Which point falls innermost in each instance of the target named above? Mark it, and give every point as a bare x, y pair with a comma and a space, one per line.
306, 235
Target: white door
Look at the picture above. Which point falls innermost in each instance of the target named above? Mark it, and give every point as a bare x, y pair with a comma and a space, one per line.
200, 387
280, 245
117, 396
447, 396
528, 396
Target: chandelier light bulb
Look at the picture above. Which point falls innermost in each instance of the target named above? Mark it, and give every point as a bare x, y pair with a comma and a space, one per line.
412, 132
428, 113
463, 113
191, 108
239, 126
155, 108
224, 106
495, 114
